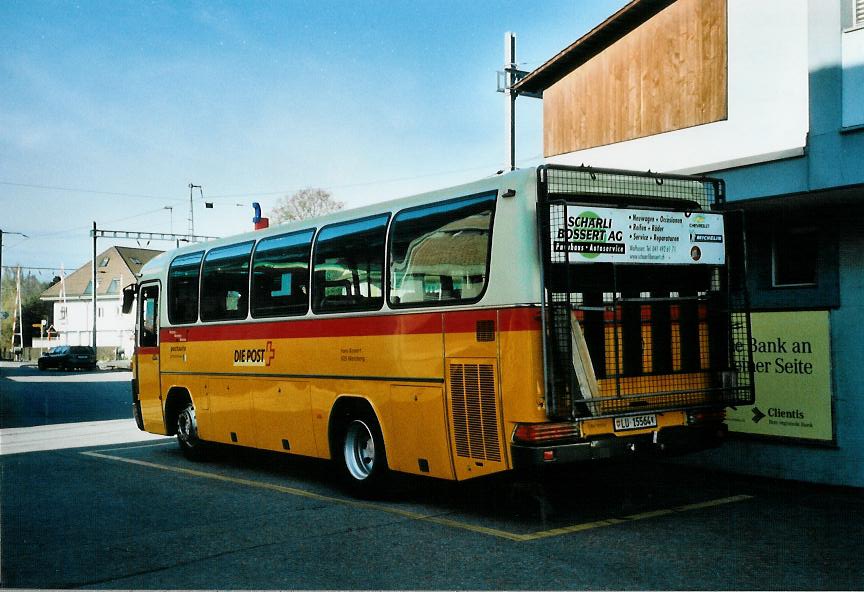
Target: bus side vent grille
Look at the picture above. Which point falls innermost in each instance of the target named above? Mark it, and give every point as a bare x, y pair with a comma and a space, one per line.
475, 413
486, 330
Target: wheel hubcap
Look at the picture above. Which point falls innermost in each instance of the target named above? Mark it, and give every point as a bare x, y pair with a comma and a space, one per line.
186, 429
359, 450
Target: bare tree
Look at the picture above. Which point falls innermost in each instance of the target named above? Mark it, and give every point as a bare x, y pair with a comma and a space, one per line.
305, 203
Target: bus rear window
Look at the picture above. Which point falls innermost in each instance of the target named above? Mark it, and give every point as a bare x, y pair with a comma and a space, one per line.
183, 288
280, 275
349, 264
439, 254
225, 283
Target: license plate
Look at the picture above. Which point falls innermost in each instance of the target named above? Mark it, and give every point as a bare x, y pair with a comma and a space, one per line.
635, 422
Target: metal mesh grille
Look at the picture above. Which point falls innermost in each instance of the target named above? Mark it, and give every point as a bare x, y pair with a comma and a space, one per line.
475, 412
485, 331
624, 337
618, 187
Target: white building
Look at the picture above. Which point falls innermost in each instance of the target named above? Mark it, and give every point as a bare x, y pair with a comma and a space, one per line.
116, 268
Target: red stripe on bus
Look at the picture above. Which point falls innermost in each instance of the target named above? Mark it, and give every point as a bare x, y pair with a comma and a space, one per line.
519, 319
513, 319
466, 321
147, 351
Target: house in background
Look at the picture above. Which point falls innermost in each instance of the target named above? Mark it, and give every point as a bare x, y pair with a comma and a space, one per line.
116, 268
769, 97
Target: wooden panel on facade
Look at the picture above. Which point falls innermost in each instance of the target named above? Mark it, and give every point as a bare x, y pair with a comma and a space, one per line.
668, 74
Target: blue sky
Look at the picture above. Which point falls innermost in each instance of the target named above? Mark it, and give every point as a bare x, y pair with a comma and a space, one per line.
108, 110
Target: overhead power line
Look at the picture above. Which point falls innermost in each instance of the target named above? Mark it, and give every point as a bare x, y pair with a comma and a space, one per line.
84, 229
95, 191
489, 167
30, 268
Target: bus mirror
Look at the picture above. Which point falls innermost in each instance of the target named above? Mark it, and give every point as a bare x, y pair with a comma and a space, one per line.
129, 297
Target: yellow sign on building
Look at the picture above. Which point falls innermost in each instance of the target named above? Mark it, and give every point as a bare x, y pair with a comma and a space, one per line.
792, 373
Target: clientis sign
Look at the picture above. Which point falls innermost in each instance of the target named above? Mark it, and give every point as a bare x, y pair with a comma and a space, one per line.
612, 235
792, 373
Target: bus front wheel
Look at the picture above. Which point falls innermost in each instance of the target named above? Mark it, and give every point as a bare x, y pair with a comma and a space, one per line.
363, 457
191, 445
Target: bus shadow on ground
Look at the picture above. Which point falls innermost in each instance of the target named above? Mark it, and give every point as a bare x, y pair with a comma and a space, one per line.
516, 501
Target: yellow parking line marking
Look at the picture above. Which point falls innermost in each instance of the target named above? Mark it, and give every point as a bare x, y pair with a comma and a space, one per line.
634, 517
434, 518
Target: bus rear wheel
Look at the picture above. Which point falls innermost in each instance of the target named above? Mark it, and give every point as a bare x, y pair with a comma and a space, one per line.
191, 445
364, 460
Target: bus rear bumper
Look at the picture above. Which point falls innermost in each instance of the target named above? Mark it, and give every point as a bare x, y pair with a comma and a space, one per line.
668, 441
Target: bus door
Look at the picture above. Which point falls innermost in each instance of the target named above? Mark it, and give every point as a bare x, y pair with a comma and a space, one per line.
147, 368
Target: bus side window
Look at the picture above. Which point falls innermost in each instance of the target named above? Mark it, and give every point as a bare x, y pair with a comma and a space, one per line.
280, 275
349, 266
183, 277
225, 283
439, 253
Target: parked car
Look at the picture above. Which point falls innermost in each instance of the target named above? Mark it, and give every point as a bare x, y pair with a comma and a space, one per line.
66, 357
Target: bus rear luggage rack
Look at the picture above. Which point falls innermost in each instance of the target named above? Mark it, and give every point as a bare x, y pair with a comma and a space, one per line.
624, 333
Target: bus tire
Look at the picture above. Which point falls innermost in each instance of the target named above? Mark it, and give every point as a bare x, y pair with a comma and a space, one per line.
362, 455
193, 447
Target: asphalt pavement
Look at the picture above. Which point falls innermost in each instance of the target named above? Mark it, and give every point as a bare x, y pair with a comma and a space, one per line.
30, 397
138, 515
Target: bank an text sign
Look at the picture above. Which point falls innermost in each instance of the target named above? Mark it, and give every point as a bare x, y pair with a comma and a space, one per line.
792, 373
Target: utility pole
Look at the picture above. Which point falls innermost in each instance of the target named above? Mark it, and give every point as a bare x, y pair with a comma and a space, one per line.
507, 79
171, 221
192, 207
510, 80
171, 218
94, 290
1, 263
18, 315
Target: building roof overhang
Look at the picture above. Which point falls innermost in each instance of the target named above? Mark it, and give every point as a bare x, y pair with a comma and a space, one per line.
848, 196
628, 18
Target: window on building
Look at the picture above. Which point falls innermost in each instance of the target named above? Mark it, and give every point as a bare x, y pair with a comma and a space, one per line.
63, 313
858, 13
135, 260
349, 266
114, 286
280, 275
104, 262
89, 288
100, 312
225, 283
183, 288
794, 257
439, 254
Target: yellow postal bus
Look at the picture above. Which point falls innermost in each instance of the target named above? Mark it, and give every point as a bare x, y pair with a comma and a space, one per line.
543, 316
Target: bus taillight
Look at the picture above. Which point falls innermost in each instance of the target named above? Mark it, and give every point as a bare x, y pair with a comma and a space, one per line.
532, 433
